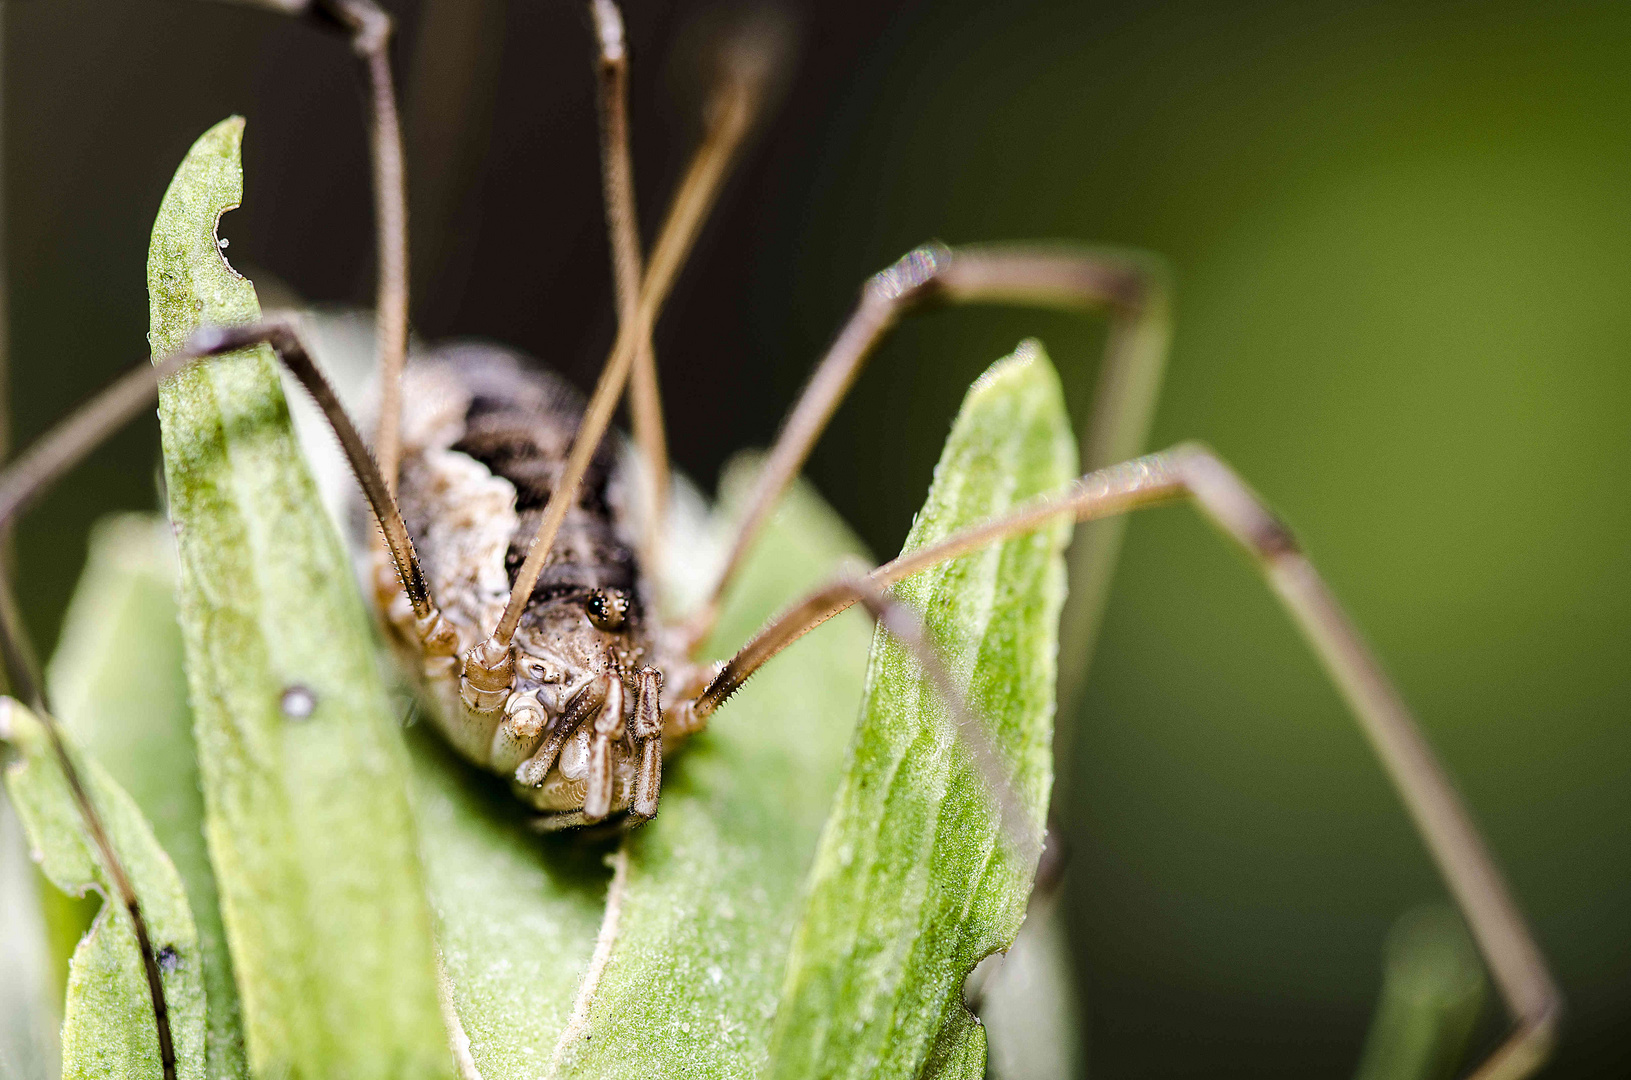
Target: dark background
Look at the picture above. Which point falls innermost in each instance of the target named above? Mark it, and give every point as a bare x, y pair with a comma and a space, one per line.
1400, 241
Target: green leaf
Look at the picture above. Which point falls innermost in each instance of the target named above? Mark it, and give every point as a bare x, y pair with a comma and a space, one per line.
711, 889
1028, 1003
913, 883
108, 1028
308, 821
118, 684
715, 884
1432, 988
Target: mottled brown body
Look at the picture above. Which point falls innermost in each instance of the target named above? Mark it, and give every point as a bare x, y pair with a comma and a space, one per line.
485, 436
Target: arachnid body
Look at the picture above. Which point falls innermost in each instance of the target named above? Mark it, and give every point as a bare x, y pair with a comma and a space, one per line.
485, 438
516, 534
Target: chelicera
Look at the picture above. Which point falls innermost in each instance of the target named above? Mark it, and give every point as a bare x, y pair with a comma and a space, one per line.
517, 537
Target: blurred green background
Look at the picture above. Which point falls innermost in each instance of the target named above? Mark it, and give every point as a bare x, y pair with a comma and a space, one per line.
1401, 240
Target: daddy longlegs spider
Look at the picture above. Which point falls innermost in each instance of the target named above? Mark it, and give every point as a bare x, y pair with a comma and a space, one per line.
563, 680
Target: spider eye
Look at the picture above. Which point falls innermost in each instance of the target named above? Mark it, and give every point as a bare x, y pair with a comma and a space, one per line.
607, 610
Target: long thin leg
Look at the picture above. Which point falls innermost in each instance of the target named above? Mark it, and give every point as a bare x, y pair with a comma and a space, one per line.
1129, 286
489, 665
286, 343
623, 228
45, 461
1117, 429
1194, 472
66, 445
370, 29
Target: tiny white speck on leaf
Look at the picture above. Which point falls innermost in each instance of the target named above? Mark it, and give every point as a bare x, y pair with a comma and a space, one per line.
298, 703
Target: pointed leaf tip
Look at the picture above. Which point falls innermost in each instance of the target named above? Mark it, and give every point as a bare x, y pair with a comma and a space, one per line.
913, 883
309, 826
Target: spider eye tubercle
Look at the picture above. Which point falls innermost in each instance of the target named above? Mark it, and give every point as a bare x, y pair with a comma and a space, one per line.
608, 608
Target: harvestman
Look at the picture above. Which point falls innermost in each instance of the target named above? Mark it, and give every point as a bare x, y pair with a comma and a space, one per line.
557, 678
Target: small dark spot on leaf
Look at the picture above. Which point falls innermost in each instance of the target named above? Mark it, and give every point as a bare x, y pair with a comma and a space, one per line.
298, 703
169, 959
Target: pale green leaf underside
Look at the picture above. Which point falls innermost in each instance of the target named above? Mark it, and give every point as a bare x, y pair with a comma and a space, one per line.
108, 1031
308, 821
714, 892
117, 681
912, 883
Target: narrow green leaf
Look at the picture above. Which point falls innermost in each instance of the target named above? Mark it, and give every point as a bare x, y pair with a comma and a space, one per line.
118, 683
1432, 988
308, 819
711, 887
965, 1060
715, 884
108, 1029
913, 883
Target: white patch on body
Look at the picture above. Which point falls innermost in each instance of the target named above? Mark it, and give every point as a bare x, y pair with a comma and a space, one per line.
461, 514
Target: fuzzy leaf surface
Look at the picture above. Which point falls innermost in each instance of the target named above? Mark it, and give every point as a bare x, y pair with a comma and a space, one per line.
108, 1031
913, 883
117, 680
308, 820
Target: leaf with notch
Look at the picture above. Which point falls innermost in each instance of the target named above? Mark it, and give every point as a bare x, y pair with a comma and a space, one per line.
309, 825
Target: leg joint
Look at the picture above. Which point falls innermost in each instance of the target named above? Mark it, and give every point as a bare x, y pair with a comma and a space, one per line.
368, 24
1236, 508
913, 278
